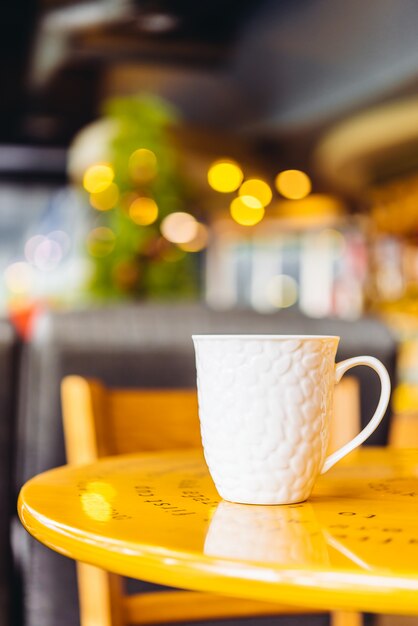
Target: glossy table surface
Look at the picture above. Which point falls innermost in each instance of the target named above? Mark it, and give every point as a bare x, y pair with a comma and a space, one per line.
353, 545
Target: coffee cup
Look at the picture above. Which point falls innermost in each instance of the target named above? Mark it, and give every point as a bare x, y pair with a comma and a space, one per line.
265, 407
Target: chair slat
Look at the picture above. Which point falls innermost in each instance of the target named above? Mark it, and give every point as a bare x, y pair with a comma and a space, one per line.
180, 606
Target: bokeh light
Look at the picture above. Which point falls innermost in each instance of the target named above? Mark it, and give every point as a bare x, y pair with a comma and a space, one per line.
225, 176
282, 291
62, 239
96, 506
47, 255
46, 252
179, 227
101, 241
143, 165
106, 199
31, 245
199, 242
103, 488
257, 188
293, 184
96, 500
143, 211
98, 177
246, 210
18, 277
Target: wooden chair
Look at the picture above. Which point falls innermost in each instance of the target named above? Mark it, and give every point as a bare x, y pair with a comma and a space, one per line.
346, 423
102, 422
403, 432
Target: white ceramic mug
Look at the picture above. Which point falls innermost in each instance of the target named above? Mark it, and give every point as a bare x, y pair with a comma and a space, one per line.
265, 405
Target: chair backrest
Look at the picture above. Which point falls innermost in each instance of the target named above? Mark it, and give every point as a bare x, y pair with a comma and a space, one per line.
403, 431
102, 422
346, 420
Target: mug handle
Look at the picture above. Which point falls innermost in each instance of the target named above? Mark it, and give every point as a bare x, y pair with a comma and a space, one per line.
378, 367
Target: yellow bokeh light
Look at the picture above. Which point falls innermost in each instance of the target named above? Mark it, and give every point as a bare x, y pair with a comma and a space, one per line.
257, 189
293, 184
198, 242
246, 210
101, 241
18, 277
179, 227
143, 211
143, 165
96, 506
225, 176
104, 489
250, 202
98, 177
106, 199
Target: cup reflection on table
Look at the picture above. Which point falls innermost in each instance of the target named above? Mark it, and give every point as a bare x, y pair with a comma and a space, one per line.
290, 535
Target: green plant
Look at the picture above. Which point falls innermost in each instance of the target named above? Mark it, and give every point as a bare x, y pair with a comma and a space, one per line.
130, 256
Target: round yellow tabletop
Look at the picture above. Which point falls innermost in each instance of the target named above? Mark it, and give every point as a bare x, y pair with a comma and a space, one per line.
158, 517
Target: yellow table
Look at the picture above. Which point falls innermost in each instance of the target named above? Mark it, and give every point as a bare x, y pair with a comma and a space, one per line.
157, 517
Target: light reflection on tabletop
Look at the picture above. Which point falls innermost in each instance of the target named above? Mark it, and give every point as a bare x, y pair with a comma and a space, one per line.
158, 517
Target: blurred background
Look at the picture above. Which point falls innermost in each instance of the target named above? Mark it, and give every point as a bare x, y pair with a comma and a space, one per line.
246, 154
254, 159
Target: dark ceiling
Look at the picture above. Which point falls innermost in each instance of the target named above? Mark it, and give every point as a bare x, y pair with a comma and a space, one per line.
79, 39
279, 72
16, 28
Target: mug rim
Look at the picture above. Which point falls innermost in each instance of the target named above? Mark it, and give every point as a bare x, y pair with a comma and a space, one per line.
260, 337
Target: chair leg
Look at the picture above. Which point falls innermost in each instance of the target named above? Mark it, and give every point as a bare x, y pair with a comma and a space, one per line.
100, 595
346, 618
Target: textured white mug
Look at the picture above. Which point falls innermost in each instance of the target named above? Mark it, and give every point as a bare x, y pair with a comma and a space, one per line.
265, 405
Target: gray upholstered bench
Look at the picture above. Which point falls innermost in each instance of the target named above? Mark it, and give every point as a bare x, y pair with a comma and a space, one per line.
8, 357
